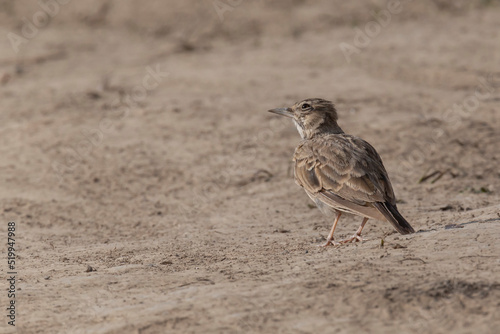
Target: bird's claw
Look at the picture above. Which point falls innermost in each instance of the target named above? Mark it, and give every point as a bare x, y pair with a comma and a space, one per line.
330, 243
354, 238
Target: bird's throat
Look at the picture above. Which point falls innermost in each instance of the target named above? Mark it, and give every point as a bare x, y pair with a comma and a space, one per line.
300, 129
317, 128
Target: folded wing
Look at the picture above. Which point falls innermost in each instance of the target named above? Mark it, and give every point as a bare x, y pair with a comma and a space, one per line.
346, 173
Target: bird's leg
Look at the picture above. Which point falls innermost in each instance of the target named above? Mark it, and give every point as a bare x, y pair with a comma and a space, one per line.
329, 240
357, 235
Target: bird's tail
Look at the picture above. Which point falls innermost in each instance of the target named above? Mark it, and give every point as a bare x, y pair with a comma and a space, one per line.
390, 211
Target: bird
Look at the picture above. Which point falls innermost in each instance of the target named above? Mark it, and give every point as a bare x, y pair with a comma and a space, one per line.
341, 173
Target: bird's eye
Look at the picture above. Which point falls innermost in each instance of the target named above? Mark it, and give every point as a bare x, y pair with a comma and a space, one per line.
306, 106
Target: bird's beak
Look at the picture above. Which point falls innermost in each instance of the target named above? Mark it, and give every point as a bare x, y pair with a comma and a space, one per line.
282, 111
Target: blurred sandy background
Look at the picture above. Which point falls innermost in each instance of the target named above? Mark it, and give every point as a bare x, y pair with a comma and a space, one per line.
153, 192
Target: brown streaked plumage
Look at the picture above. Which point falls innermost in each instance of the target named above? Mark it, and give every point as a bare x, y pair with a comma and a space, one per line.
340, 173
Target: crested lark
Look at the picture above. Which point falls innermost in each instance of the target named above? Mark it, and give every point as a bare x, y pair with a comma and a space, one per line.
340, 173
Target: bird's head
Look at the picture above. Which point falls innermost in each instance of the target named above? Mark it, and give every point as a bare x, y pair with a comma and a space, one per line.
312, 117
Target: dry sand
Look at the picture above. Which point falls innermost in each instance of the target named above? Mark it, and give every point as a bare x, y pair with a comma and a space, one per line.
168, 205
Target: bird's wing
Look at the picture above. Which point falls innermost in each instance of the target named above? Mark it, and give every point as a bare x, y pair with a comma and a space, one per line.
342, 166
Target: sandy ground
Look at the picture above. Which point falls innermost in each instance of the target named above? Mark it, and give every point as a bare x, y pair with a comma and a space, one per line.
153, 193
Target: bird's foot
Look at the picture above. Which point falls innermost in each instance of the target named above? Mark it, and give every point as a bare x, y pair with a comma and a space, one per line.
330, 243
355, 238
